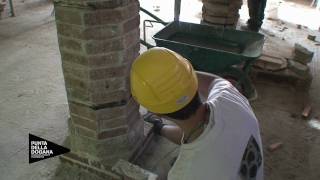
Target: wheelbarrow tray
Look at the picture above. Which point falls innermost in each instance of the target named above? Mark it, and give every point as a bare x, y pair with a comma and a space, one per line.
209, 48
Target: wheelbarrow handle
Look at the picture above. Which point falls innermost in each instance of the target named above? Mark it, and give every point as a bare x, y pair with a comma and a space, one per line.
153, 16
177, 7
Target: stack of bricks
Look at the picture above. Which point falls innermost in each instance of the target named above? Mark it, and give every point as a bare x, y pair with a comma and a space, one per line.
221, 12
301, 57
98, 42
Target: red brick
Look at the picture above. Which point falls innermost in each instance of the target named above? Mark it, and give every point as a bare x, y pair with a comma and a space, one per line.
104, 73
132, 38
69, 44
275, 146
109, 4
108, 85
82, 110
87, 86
132, 23
104, 32
69, 30
110, 16
103, 46
109, 59
132, 106
73, 58
113, 133
75, 71
104, 173
112, 123
136, 131
77, 96
68, 15
132, 118
83, 131
110, 113
87, 123
108, 97
76, 83
131, 54
89, 33
76, 157
104, 114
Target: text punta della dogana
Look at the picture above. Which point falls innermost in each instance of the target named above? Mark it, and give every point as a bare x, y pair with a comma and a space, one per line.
40, 147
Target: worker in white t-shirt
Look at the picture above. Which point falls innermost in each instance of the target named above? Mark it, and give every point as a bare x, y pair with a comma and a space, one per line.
219, 138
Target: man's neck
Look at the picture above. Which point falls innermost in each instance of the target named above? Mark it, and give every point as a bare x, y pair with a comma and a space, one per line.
191, 127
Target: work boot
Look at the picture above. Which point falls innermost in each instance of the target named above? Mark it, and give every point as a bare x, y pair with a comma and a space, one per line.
256, 13
249, 28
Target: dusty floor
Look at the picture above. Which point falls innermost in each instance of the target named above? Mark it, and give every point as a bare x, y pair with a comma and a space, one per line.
33, 100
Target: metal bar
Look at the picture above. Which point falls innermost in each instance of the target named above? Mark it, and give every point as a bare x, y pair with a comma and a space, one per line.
145, 26
177, 7
144, 30
11, 8
148, 45
153, 16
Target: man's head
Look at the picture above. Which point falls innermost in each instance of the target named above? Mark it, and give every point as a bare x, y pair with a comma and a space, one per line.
165, 83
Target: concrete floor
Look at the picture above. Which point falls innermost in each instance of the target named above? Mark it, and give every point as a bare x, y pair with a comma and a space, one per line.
33, 100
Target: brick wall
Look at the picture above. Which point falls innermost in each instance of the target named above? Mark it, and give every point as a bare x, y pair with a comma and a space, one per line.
98, 41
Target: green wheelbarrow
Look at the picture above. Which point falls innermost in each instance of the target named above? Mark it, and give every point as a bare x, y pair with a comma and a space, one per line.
226, 52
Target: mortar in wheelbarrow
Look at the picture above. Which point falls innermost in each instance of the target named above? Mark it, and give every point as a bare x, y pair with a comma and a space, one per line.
214, 49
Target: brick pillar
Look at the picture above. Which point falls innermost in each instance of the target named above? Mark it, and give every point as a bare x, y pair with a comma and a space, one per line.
98, 41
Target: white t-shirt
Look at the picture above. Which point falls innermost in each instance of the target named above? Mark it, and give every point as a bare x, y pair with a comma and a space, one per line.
230, 146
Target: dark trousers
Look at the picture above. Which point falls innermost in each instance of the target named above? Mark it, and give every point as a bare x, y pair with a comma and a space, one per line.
256, 13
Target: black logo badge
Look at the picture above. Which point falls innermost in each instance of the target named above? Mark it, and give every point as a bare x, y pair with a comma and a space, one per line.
40, 149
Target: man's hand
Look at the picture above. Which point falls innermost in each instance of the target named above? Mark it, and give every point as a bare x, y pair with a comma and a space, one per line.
156, 121
171, 132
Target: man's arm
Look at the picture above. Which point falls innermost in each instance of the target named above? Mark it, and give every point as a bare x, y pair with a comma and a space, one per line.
171, 132
205, 82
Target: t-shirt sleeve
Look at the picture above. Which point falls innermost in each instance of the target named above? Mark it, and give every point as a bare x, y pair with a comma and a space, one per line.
222, 88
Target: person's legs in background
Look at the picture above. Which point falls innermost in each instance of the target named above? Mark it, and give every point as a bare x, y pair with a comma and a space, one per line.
256, 13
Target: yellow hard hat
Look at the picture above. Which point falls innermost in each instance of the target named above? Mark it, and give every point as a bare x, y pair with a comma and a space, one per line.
163, 81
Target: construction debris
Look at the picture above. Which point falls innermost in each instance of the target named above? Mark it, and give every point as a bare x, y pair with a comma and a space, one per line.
298, 68
306, 111
271, 63
221, 12
275, 146
279, 60
272, 59
302, 54
132, 172
272, 19
283, 29
312, 37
